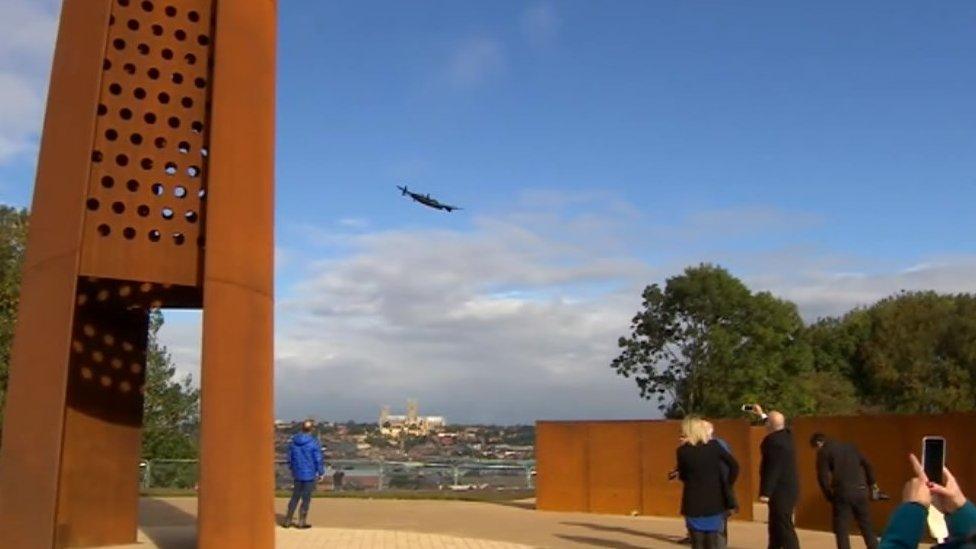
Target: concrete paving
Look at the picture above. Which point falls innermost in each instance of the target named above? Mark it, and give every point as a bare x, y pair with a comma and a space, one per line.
168, 523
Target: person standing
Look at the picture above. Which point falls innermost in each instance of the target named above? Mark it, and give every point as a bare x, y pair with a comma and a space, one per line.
779, 484
307, 467
703, 497
731, 502
846, 479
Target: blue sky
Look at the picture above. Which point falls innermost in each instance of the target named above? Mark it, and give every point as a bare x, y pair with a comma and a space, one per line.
823, 151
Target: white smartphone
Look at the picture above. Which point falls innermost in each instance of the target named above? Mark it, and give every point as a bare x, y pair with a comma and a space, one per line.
934, 457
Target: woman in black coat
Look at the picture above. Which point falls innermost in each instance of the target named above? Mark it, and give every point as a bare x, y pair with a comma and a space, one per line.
704, 499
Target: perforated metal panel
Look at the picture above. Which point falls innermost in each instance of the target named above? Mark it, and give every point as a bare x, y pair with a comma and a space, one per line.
146, 200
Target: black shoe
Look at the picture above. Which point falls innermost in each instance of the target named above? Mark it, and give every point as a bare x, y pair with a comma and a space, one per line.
303, 522
287, 522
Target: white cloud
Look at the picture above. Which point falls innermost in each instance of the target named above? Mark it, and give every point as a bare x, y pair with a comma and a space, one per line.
475, 61
540, 23
27, 34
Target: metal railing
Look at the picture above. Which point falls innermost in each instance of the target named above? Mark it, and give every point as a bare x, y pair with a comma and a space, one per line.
368, 475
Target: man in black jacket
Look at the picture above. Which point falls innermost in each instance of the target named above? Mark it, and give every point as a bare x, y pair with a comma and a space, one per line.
779, 484
846, 479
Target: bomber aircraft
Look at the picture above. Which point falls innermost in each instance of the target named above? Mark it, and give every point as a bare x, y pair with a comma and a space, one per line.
426, 200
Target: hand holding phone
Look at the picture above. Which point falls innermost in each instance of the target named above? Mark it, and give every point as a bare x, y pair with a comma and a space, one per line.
934, 458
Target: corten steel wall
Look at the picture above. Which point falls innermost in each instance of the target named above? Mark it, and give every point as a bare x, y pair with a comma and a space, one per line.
621, 466
154, 189
886, 441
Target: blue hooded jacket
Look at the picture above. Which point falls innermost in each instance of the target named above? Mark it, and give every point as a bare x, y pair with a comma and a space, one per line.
305, 457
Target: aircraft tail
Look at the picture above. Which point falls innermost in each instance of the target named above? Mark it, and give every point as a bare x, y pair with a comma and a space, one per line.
403, 190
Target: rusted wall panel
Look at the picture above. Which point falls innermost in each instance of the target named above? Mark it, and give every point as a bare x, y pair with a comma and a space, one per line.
561, 466
614, 466
661, 497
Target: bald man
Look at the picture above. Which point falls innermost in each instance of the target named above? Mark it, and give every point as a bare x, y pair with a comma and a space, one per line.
779, 484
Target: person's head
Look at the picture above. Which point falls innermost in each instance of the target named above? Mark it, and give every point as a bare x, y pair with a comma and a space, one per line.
818, 440
775, 422
308, 426
709, 428
694, 432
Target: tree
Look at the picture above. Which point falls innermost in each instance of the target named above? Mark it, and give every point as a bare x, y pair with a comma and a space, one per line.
705, 344
172, 406
13, 243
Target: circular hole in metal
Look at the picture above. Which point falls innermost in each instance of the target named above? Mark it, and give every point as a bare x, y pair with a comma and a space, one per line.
197, 126
118, 207
147, 5
143, 210
163, 98
183, 147
107, 181
106, 65
146, 163
158, 189
122, 160
187, 102
193, 16
160, 142
179, 191
193, 171
102, 110
123, 3
132, 185
115, 89
111, 134
154, 235
149, 117
96, 156
129, 68
179, 239
129, 233
167, 213
125, 113
143, 49
92, 204
191, 216
104, 230
167, 54
200, 83
136, 138
157, 30
180, 35
204, 151
201, 194
203, 40
153, 73
118, 44
173, 122
170, 168
190, 59
171, 11
139, 93
177, 78
132, 24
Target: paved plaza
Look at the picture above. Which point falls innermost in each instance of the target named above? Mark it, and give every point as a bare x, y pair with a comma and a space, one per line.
167, 523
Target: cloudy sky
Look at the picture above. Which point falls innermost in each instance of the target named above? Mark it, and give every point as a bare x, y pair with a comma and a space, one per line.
823, 152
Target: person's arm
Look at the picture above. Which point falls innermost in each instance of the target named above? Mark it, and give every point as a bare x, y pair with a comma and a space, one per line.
905, 527
823, 474
732, 464
681, 468
962, 523
868, 470
319, 460
773, 462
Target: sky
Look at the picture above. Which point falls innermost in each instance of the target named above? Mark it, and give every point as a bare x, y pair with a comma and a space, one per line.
821, 151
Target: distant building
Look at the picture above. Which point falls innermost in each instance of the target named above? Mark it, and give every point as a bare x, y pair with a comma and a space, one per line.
395, 426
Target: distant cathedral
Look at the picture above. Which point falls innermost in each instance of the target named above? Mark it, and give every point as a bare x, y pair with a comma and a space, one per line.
410, 424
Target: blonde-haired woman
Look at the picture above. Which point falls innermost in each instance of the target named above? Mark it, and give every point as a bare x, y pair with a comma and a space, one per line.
703, 501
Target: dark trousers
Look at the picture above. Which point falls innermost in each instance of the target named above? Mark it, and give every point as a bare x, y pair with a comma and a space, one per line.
302, 490
707, 540
856, 507
782, 533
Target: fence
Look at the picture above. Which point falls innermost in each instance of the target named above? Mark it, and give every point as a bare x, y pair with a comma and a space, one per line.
369, 475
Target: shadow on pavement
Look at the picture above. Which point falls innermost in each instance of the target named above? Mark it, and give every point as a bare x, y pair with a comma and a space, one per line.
166, 525
622, 530
599, 542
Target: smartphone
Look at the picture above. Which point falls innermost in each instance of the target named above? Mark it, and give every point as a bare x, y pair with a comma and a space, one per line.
748, 407
933, 457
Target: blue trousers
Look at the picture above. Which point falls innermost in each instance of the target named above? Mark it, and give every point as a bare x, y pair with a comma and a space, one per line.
302, 490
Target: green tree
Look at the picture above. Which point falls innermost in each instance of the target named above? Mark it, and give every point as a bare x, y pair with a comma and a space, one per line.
705, 344
172, 406
13, 242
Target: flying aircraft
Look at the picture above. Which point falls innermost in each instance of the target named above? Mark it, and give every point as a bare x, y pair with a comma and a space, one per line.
426, 200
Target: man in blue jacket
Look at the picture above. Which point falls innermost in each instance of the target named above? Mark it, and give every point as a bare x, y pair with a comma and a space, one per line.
307, 467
